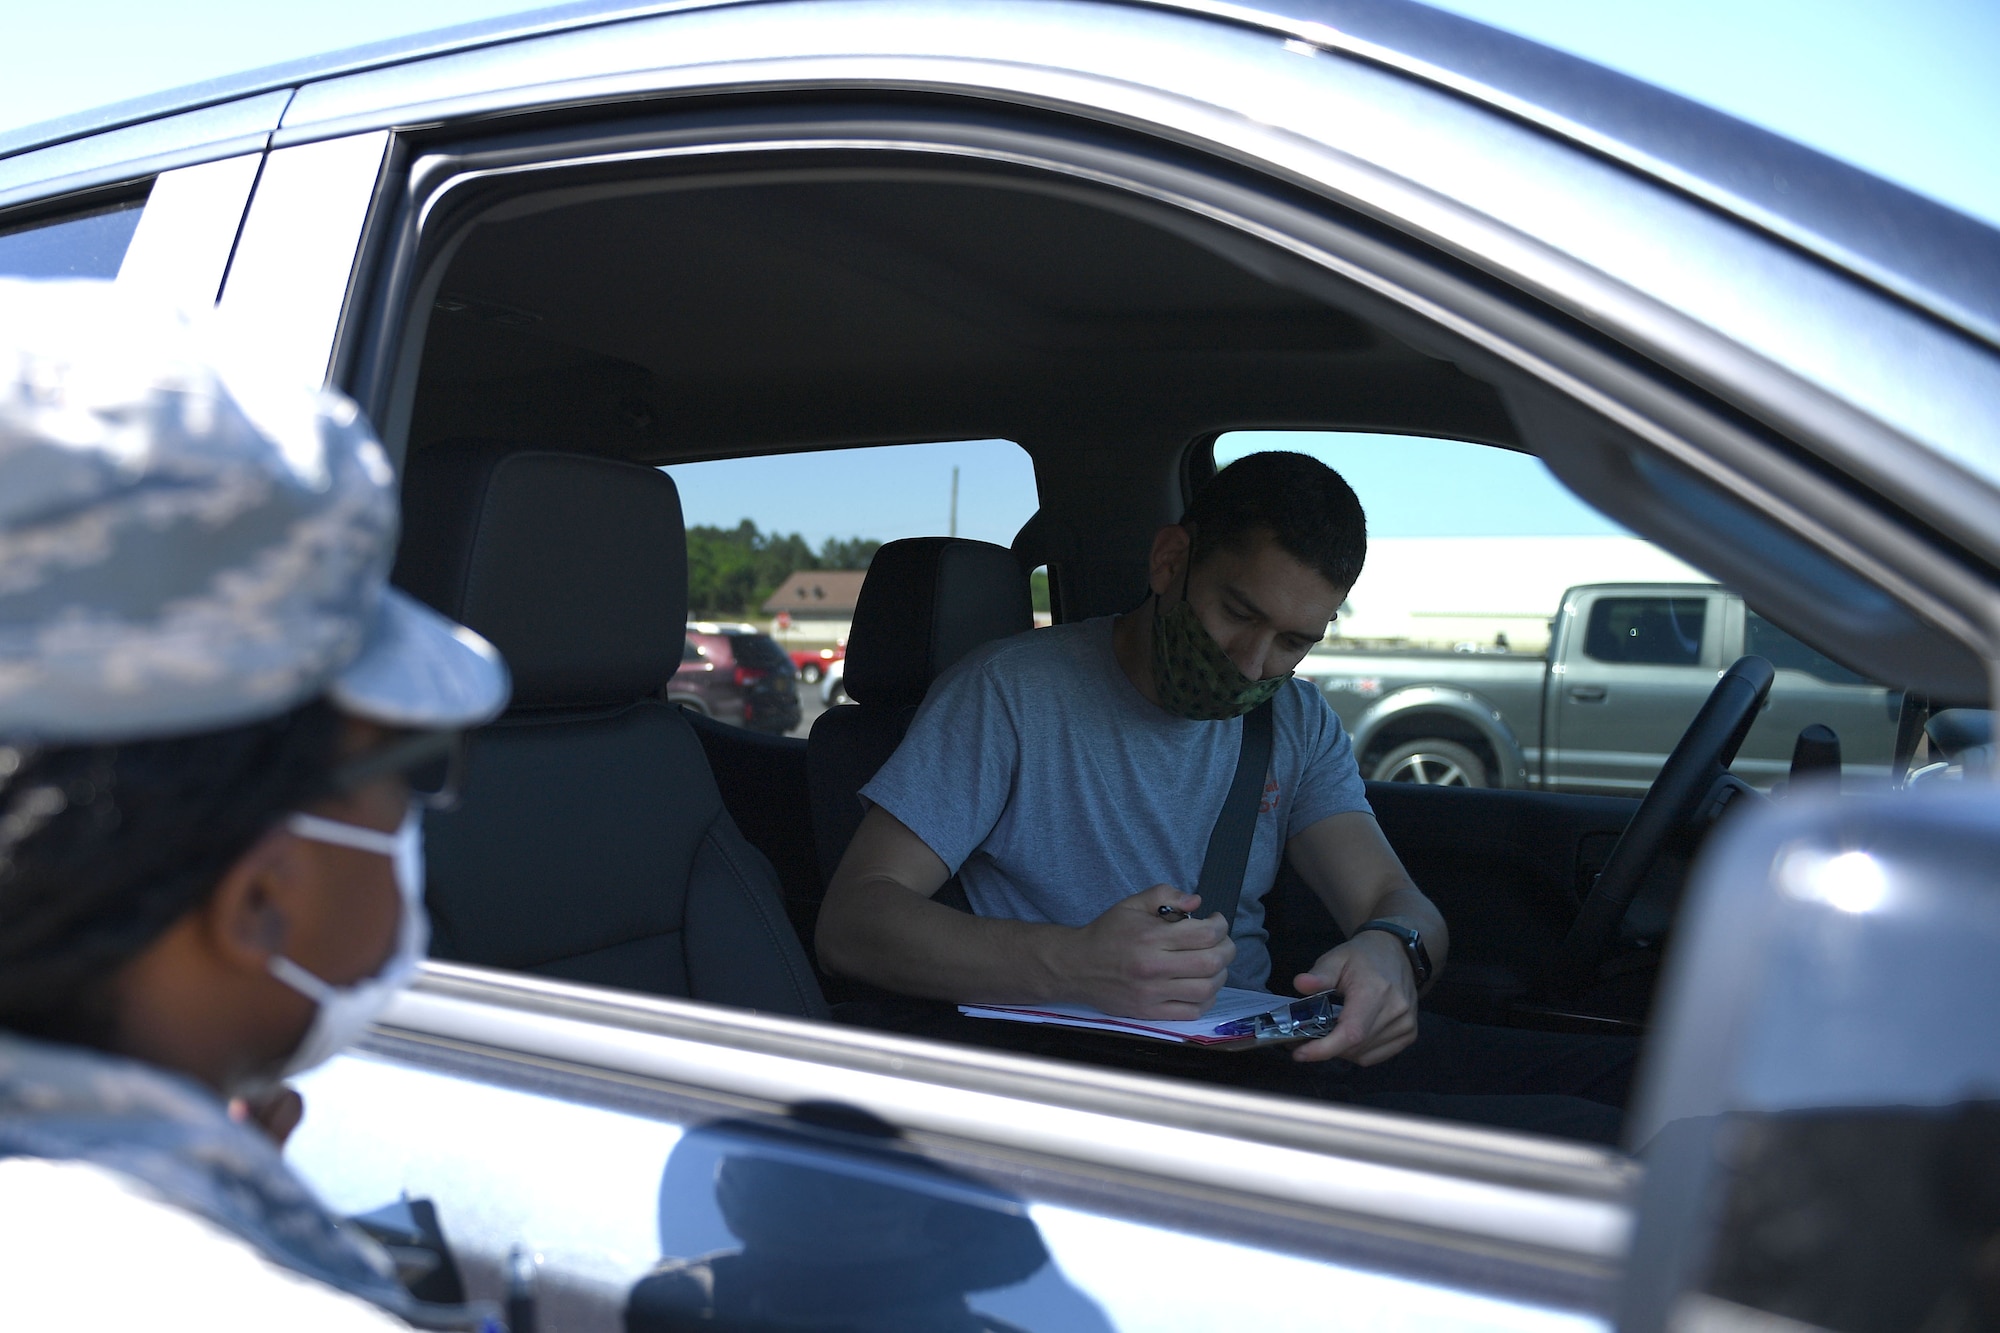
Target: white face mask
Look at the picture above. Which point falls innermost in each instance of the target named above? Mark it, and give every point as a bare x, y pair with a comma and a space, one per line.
346, 1011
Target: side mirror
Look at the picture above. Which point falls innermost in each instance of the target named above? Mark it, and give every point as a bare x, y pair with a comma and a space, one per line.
1819, 1116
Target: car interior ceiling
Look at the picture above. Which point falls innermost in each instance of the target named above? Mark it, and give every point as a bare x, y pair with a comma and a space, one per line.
667, 324
653, 319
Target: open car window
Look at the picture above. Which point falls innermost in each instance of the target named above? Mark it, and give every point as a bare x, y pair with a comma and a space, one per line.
779, 544
840, 358
1480, 558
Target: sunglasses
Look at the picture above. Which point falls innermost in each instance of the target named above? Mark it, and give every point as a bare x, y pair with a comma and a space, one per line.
433, 762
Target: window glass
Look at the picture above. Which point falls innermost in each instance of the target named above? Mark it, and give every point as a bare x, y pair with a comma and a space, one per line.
1470, 547
1657, 631
90, 244
778, 546
1763, 639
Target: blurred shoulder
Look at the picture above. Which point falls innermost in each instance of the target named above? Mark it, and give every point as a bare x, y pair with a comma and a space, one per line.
172, 1268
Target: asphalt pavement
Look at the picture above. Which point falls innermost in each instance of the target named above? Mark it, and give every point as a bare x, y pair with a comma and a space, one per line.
809, 708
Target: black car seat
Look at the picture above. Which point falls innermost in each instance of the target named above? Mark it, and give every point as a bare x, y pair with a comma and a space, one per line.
590, 842
927, 601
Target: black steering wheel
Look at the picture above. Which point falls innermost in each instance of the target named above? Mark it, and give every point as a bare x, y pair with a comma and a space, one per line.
1692, 787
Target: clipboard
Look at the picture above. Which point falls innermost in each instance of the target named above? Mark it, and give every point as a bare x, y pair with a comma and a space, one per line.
1237, 1020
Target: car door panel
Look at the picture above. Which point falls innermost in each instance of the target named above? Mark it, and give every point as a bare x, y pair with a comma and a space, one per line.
295, 260
180, 252
1507, 869
586, 1127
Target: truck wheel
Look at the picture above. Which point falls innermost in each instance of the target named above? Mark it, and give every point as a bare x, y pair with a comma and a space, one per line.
1437, 762
809, 673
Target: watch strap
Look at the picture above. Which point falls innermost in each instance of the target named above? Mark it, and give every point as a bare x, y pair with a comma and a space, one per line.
1413, 947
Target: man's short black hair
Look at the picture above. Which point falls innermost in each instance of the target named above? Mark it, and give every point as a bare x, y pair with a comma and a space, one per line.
1309, 510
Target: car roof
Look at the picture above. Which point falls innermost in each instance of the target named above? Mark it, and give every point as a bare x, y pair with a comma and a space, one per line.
1924, 251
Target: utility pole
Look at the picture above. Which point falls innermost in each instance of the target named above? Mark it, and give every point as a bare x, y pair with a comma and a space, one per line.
954, 502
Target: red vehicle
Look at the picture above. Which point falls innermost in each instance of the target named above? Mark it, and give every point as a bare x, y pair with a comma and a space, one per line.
812, 662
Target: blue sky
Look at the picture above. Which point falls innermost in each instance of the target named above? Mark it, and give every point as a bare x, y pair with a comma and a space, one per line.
884, 493
1904, 90
1413, 487
1410, 487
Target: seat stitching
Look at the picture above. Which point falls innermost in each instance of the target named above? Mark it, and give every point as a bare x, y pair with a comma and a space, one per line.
762, 911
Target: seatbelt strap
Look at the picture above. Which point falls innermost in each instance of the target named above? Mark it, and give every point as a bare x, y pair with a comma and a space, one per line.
1228, 857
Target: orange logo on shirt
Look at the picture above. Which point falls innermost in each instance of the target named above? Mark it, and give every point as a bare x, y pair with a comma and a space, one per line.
1270, 801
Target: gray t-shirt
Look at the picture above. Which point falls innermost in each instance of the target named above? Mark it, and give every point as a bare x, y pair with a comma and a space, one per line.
1052, 788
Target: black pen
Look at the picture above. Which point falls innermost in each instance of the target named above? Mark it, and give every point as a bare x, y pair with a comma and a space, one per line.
1173, 913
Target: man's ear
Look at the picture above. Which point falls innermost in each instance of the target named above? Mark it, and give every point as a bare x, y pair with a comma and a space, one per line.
249, 917
1171, 547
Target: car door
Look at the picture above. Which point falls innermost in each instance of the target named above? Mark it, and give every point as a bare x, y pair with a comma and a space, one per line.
1393, 188
1634, 669
576, 1144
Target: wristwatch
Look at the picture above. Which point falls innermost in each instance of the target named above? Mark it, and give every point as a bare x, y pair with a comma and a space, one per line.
1413, 947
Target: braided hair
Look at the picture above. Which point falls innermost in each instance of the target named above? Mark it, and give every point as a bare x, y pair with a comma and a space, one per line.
103, 847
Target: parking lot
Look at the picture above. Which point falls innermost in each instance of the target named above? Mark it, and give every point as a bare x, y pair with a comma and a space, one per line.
809, 709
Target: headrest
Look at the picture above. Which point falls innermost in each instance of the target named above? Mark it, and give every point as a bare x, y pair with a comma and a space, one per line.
575, 567
928, 601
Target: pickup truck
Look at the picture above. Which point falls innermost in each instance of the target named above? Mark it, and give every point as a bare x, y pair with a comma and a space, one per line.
1627, 666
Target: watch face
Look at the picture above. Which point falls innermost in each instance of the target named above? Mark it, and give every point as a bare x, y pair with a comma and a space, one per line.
1420, 958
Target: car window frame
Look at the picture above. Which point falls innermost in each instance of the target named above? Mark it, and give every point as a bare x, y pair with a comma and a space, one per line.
64, 210
1427, 298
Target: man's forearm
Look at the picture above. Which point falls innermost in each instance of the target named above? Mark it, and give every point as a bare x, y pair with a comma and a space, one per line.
878, 931
1359, 877
1406, 905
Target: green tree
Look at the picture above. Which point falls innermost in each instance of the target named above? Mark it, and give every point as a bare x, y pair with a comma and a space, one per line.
847, 552
732, 570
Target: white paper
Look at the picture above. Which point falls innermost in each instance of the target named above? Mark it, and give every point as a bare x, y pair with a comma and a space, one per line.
1230, 1005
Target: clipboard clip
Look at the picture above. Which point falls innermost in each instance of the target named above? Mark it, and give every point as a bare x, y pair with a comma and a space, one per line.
1313, 1016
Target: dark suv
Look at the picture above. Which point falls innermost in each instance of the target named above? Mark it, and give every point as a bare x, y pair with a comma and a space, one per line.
737, 674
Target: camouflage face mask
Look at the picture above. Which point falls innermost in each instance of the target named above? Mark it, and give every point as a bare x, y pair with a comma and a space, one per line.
1193, 676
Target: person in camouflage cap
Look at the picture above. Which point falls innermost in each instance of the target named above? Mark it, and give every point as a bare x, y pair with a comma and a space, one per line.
213, 714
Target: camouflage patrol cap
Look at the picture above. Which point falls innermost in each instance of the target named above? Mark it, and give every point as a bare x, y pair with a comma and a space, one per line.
184, 549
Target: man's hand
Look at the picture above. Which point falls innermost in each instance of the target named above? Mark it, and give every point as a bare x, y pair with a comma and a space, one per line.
1378, 1015
1134, 963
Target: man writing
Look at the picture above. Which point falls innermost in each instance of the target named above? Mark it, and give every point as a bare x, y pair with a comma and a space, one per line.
1070, 777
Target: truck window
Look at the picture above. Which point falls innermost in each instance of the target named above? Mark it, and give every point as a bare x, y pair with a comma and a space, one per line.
778, 546
1651, 631
1763, 639
89, 243
1470, 546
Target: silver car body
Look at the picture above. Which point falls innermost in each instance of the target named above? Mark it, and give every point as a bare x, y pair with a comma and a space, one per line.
1842, 335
